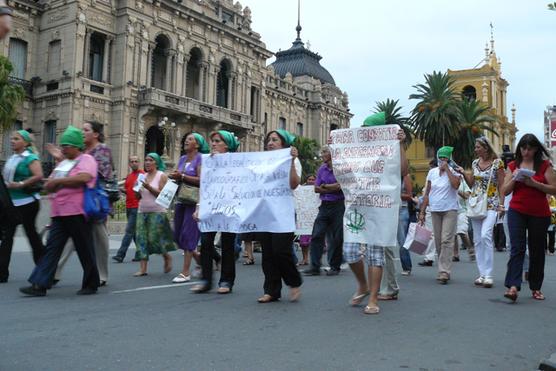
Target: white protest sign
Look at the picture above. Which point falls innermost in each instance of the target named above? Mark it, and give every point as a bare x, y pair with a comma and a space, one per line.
167, 194
247, 192
307, 204
366, 163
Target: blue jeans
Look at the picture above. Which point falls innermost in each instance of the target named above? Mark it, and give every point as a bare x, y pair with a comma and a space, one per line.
526, 231
129, 232
403, 225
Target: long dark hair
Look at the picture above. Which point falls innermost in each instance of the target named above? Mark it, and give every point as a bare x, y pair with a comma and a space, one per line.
97, 128
530, 140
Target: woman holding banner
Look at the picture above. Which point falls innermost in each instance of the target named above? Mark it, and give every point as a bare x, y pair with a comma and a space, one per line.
154, 235
186, 230
221, 141
278, 260
374, 255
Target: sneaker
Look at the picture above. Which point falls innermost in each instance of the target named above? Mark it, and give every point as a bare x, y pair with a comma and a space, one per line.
425, 263
480, 281
118, 259
443, 278
332, 272
406, 273
33, 290
181, 278
86, 291
311, 272
488, 282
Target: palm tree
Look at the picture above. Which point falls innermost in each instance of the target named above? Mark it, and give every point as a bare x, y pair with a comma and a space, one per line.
11, 96
472, 117
434, 118
394, 117
308, 153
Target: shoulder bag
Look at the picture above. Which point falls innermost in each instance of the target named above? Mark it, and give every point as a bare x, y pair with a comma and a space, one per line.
477, 205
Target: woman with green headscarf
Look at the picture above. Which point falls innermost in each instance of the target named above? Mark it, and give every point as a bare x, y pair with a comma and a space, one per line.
22, 173
442, 197
221, 141
186, 229
153, 233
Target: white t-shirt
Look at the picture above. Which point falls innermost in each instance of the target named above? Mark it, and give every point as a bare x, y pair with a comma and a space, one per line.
442, 196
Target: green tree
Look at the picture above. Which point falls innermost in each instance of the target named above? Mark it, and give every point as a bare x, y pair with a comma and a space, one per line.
308, 153
552, 6
434, 118
473, 119
394, 117
11, 96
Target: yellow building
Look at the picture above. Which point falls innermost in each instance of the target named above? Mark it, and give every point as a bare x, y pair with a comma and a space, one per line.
486, 84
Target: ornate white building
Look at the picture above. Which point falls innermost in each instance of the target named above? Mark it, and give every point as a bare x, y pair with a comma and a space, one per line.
132, 65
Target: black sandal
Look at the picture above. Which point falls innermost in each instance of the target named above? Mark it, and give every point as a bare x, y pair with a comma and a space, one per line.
200, 288
249, 261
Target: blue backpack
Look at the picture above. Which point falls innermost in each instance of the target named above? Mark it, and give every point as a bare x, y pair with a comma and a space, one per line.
95, 203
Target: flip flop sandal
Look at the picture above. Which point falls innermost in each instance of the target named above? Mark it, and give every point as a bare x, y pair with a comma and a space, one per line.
512, 295
356, 299
267, 299
371, 310
249, 262
538, 295
387, 297
139, 274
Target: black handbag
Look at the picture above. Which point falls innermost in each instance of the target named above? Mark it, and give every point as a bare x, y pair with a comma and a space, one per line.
111, 187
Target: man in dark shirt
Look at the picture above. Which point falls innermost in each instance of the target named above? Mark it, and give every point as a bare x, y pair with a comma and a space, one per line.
329, 222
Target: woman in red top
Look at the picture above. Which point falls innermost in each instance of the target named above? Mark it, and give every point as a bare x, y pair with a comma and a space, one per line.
529, 213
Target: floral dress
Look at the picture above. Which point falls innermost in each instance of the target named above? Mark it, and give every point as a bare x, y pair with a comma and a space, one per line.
482, 177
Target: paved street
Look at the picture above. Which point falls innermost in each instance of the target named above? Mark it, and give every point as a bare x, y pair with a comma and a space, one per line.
134, 325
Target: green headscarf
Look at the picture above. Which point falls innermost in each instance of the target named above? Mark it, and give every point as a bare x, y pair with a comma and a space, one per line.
27, 138
445, 152
286, 136
203, 145
73, 136
375, 120
230, 139
25, 135
159, 163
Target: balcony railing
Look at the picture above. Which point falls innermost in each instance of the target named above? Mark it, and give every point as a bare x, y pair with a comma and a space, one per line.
25, 84
163, 99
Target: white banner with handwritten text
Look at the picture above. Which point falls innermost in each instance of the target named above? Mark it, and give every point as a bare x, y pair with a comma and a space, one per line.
307, 204
366, 163
247, 192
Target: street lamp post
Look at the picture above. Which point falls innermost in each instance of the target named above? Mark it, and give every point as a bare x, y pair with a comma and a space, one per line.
168, 130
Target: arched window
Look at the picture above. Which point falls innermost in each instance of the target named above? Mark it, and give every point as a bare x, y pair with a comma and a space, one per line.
223, 84
17, 55
160, 62
154, 141
469, 93
193, 87
96, 56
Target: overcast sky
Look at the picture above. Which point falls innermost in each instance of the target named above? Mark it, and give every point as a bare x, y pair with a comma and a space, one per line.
379, 49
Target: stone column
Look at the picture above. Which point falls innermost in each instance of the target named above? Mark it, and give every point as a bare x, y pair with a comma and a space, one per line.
148, 65
168, 85
86, 54
231, 91
211, 84
180, 74
106, 60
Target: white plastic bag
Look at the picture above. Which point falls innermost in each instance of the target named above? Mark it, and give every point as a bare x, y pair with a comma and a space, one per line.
418, 238
167, 194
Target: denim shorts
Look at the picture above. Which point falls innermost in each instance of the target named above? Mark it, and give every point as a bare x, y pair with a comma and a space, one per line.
354, 252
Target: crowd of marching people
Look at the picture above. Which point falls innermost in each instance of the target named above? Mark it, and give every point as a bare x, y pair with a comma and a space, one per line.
514, 198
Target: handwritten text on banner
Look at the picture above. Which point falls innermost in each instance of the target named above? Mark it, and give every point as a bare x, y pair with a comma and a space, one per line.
307, 204
247, 192
366, 163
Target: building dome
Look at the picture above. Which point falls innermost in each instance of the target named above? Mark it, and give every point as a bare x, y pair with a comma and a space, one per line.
300, 61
